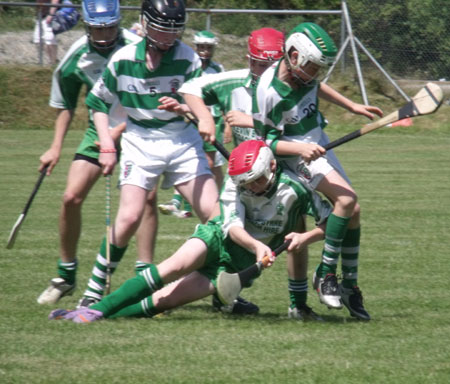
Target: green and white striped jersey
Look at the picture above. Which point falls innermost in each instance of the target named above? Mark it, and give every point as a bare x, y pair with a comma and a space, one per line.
128, 81
280, 111
211, 69
271, 216
83, 65
231, 90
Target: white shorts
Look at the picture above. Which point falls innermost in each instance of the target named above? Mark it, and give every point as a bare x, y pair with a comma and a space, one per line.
48, 37
179, 158
312, 174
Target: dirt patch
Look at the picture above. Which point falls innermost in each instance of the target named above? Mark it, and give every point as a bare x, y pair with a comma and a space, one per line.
17, 48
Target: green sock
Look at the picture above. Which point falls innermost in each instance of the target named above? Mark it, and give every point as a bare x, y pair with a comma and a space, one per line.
187, 206
68, 271
334, 234
131, 292
139, 266
145, 308
96, 285
298, 292
176, 200
349, 253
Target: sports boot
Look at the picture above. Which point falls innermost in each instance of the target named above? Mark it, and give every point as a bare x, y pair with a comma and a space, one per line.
353, 300
303, 313
58, 288
328, 289
86, 302
239, 306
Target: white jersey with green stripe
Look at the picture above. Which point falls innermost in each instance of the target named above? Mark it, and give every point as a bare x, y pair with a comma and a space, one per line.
281, 112
211, 69
83, 65
138, 89
231, 90
271, 216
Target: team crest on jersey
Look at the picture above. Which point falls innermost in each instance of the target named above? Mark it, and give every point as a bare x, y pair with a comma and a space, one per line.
293, 119
303, 171
174, 85
127, 169
280, 209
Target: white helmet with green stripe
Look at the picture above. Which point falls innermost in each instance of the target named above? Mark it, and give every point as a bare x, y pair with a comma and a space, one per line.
312, 43
205, 37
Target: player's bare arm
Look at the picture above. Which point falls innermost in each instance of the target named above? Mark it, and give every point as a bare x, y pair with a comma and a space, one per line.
206, 125
52, 155
308, 151
328, 93
300, 241
173, 105
240, 236
239, 119
107, 158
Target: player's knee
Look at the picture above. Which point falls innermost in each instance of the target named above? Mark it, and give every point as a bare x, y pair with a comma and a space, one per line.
130, 219
71, 199
347, 202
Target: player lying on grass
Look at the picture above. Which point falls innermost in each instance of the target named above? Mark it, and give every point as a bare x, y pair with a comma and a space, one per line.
286, 113
260, 206
231, 93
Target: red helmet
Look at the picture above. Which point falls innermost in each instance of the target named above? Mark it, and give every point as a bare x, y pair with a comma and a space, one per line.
266, 44
249, 161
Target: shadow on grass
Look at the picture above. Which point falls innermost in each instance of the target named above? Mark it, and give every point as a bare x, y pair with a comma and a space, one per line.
202, 312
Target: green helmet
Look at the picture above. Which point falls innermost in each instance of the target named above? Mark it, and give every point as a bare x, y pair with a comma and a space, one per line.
312, 43
205, 37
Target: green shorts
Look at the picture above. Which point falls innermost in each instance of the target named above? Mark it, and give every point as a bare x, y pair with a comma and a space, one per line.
223, 254
88, 147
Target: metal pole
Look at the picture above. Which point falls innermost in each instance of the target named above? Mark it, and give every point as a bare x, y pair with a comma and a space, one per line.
355, 52
378, 65
338, 56
208, 21
41, 38
343, 39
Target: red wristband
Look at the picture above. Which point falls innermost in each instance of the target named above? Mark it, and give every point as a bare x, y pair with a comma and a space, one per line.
108, 150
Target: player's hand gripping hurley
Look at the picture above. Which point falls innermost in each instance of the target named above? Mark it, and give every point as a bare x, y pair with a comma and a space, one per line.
15, 229
108, 234
230, 284
427, 101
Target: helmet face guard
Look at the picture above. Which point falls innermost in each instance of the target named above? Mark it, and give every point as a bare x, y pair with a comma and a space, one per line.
163, 22
315, 50
249, 161
102, 19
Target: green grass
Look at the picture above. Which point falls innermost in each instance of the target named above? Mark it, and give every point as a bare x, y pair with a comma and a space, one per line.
402, 179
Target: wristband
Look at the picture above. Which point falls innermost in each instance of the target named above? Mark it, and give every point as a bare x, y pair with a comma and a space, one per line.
108, 150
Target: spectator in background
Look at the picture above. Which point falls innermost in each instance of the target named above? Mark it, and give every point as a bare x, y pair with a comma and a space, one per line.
44, 31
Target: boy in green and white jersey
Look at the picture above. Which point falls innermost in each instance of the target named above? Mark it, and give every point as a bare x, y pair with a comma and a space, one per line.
205, 43
260, 204
232, 91
81, 67
157, 141
286, 113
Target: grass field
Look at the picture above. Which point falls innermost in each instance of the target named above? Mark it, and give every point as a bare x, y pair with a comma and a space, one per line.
402, 178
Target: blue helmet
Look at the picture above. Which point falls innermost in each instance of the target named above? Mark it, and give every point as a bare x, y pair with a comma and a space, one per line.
98, 15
